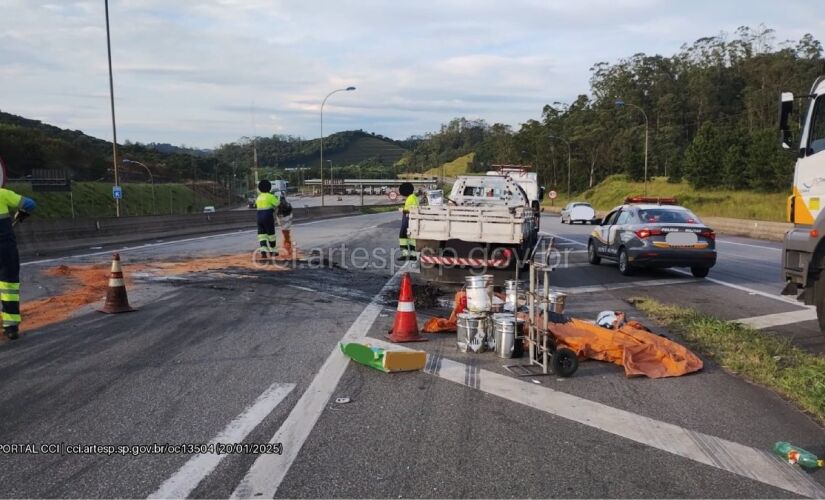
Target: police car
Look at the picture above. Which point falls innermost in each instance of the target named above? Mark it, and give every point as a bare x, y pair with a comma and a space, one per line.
653, 232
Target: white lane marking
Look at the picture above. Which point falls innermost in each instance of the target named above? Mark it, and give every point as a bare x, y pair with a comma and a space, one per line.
566, 239
187, 478
728, 242
265, 476
778, 319
618, 286
741, 288
185, 240
745, 461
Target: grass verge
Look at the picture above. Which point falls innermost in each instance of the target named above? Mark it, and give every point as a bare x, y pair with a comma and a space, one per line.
757, 356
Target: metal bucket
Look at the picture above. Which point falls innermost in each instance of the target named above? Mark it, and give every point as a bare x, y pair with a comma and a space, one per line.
479, 294
557, 300
506, 333
472, 332
511, 291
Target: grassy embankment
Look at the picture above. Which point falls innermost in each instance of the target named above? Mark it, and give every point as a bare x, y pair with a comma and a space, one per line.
95, 199
709, 203
758, 356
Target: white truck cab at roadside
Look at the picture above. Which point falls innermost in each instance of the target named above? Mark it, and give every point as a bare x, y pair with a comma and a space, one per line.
804, 245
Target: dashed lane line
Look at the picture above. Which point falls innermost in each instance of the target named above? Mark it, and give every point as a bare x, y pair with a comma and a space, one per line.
744, 461
266, 474
187, 478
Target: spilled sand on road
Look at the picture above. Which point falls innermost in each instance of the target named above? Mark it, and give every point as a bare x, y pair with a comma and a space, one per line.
87, 284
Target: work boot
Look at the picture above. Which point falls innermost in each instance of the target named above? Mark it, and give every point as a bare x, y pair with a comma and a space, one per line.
11, 332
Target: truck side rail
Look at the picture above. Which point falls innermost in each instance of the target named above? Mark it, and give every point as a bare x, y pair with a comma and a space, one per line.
488, 224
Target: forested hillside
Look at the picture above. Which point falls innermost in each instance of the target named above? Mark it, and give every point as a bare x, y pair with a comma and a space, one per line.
711, 109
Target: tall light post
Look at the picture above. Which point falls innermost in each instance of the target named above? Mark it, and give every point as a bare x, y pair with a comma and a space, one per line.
127, 161
620, 103
569, 156
348, 89
112, 102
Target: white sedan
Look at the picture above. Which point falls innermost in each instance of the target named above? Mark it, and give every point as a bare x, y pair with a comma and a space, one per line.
578, 211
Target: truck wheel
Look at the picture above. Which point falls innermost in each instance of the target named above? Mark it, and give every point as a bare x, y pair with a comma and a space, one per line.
592, 254
819, 299
699, 272
624, 263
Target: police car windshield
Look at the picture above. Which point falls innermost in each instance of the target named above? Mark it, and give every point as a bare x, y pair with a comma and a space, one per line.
668, 215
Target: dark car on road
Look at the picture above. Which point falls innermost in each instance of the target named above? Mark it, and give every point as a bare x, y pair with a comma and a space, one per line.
653, 232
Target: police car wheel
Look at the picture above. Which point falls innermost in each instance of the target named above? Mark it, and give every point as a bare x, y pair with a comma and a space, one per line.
592, 254
624, 263
699, 272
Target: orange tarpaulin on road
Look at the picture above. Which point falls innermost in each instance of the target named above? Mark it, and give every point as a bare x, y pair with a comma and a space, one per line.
448, 325
639, 351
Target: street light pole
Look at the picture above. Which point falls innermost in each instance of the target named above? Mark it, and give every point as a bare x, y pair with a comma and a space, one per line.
619, 104
348, 89
112, 103
569, 156
151, 179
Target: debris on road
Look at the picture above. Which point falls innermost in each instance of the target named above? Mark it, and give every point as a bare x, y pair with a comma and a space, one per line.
342, 401
385, 361
796, 455
448, 325
89, 283
629, 344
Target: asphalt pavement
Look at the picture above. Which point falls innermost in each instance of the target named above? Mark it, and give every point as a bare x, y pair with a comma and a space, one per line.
251, 356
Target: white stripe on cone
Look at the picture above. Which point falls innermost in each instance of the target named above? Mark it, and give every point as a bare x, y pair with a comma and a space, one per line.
113, 282
406, 307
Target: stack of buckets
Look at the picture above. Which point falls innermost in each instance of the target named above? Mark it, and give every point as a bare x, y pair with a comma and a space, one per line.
484, 327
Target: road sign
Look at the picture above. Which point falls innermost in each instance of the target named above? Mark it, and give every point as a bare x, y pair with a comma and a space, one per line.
117, 192
392, 195
552, 195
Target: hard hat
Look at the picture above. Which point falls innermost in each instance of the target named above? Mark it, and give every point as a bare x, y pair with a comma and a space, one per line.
606, 319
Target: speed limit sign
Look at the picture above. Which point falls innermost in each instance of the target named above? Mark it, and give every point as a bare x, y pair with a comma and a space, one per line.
392, 195
552, 195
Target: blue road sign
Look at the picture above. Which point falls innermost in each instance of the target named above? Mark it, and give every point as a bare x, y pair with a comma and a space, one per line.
117, 192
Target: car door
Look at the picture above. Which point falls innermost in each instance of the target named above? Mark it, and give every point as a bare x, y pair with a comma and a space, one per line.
601, 233
617, 230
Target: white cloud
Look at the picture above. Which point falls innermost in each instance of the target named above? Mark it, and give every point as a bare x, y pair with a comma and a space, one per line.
189, 71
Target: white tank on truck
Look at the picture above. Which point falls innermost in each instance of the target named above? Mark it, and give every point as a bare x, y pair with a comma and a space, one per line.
487, 221
803, 255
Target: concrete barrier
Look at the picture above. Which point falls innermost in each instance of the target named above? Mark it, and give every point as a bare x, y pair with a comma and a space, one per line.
38, 237
760, 229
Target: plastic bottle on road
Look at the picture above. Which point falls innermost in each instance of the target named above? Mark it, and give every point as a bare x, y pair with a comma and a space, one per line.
796, 455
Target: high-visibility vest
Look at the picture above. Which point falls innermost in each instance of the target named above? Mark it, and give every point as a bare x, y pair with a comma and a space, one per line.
267, 201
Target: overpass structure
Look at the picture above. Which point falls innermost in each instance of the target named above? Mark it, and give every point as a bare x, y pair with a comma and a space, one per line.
368, 186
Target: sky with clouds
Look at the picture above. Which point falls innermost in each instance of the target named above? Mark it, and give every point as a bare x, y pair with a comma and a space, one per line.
206, 72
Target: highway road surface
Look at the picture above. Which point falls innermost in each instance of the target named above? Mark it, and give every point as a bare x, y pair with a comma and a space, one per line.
247, 355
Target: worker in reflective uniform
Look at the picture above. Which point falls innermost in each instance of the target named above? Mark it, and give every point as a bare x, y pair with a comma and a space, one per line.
13, 208
267, 203
406, 244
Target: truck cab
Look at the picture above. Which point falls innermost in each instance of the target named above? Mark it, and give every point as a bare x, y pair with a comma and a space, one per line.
804, 246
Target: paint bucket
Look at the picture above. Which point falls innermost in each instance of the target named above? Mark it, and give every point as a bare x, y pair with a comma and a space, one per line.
506, 335
557, 300
479, 293
472, 331
511, 292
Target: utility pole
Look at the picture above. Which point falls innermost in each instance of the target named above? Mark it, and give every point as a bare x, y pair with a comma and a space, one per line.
112, 102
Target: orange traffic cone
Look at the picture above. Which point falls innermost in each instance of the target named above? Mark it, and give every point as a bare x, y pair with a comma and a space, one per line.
405, 327
116, 299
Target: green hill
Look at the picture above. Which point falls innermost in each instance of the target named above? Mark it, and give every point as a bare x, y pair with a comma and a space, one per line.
459, 166
94, 199
704, 202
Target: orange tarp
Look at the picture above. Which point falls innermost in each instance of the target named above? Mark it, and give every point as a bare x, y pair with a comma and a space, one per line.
639, 351
448, 325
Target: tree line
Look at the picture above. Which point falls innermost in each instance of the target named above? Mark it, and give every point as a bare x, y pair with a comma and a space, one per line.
711, 115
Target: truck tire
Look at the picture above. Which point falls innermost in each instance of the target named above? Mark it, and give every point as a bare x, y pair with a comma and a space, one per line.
819, 299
